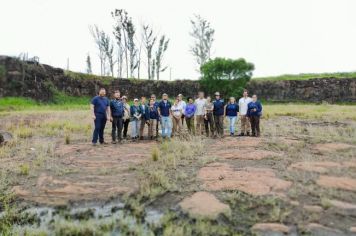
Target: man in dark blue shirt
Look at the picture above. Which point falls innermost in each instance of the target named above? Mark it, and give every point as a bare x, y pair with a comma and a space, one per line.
117, 113
254, 112
218, 113
164, 108
100, 112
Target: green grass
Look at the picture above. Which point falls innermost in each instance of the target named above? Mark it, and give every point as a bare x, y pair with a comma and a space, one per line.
307, 76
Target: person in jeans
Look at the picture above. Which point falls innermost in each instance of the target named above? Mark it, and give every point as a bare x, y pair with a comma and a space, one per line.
126, 118
154, 117
254, 112
145, 116
231, 111
153, 97
100, 109
243, 105
136, 113
208, 117
190, 110
176, 117
117, 113
164, 108
199, 114
218, 113
182, 104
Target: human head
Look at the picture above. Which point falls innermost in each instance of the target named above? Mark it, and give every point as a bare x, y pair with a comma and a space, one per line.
176, 101
143, 100
254, 97
190, 99
217, 95
102, 92
117, 94
200, 94
124, 99
208, 99
245, 93
152, 102
153, 96
232, 100
136, 101
165, 96
180, 97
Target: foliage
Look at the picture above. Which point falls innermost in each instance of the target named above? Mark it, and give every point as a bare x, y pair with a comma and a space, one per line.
2, 71
162, 48
228, 76
149, 40
307, 76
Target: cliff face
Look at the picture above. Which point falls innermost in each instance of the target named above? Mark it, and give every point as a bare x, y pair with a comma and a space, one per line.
41, 82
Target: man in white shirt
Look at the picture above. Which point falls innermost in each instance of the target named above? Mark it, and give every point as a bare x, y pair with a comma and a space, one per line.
245, 122
199, 114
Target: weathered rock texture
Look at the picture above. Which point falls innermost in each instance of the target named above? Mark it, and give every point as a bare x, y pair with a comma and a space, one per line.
40, 82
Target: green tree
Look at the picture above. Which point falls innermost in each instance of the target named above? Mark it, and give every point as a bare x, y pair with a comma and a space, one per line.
228, 76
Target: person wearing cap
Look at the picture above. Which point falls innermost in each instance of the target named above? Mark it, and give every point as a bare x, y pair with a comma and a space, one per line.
136, 113
182, 104
199, 114
164, 109
126, 118
243, 106
218, 113
117, 113
145, 118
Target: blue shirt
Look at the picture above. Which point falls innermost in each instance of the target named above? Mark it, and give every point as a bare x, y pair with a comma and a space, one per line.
153, 112
117, 108
164, 107
190, 110
231, 109
218, 107
254, 105
100, 105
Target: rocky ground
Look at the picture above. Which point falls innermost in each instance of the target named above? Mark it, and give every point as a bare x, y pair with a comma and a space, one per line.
298, 178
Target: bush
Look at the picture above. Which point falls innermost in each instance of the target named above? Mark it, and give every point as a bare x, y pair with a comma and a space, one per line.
228, 76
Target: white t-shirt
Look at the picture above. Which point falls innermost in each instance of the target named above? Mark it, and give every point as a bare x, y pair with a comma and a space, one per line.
200, 106
176, 110
243, 103
182, 105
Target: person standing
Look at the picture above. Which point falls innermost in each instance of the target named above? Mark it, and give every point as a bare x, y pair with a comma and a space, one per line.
243, 105
136, 113
154, 117
153, 97
218, 113
126, 118
176, 117
183, 104
199, 114
190, 110
254, 112
231, 111
208, 117
100, 109
164, 109
117, 112
145, 116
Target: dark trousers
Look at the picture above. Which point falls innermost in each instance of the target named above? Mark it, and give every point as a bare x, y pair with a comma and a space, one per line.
99, 122
126, 127
190, 124
219, 124
117, 124
209, 124
255, 125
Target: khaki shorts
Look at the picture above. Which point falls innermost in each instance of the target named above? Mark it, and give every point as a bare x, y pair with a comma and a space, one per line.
200, 119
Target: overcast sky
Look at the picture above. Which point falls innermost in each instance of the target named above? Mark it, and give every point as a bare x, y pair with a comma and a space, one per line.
278, 36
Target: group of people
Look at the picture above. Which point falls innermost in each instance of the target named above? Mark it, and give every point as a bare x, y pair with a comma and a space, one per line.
202, 115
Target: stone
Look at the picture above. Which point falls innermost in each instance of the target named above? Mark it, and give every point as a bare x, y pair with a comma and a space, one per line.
320, 230
315, 166
248, 154
204, 204
353, 229
344, 183
268, 229
331, 147
313, 209
343, 208
5, 137
254, 181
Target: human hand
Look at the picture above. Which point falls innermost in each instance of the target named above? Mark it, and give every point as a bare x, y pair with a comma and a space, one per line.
94, 117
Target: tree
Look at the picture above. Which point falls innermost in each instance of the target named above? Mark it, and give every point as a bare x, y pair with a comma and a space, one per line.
98, 36
149, 40
131, 46
203, 36
226, 75
162, 48
88, 61
108, 47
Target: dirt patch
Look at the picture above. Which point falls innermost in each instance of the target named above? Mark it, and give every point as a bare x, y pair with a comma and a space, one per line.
254, 181
236, 142
331, 147
344, 183
315, 166
204, 204
248, 154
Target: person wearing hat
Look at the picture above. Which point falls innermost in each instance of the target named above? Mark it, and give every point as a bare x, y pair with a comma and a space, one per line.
218, 112
126, 118
136, 113
164, 109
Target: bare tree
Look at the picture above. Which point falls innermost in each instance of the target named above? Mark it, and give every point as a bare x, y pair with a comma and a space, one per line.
131, 46
88, 61
149, 40
162, 48
108, 47
203, 36
98, 36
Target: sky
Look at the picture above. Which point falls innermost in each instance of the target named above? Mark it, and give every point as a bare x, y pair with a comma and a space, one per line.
278, 36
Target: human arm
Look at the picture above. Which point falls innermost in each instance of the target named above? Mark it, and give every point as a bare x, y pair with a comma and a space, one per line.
92, 111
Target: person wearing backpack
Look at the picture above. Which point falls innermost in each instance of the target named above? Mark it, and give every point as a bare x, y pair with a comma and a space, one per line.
117, 113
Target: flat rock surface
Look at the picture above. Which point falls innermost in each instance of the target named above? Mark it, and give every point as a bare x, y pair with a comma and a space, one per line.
204, 204
320, 230
269, 229
331, 147
344, 183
